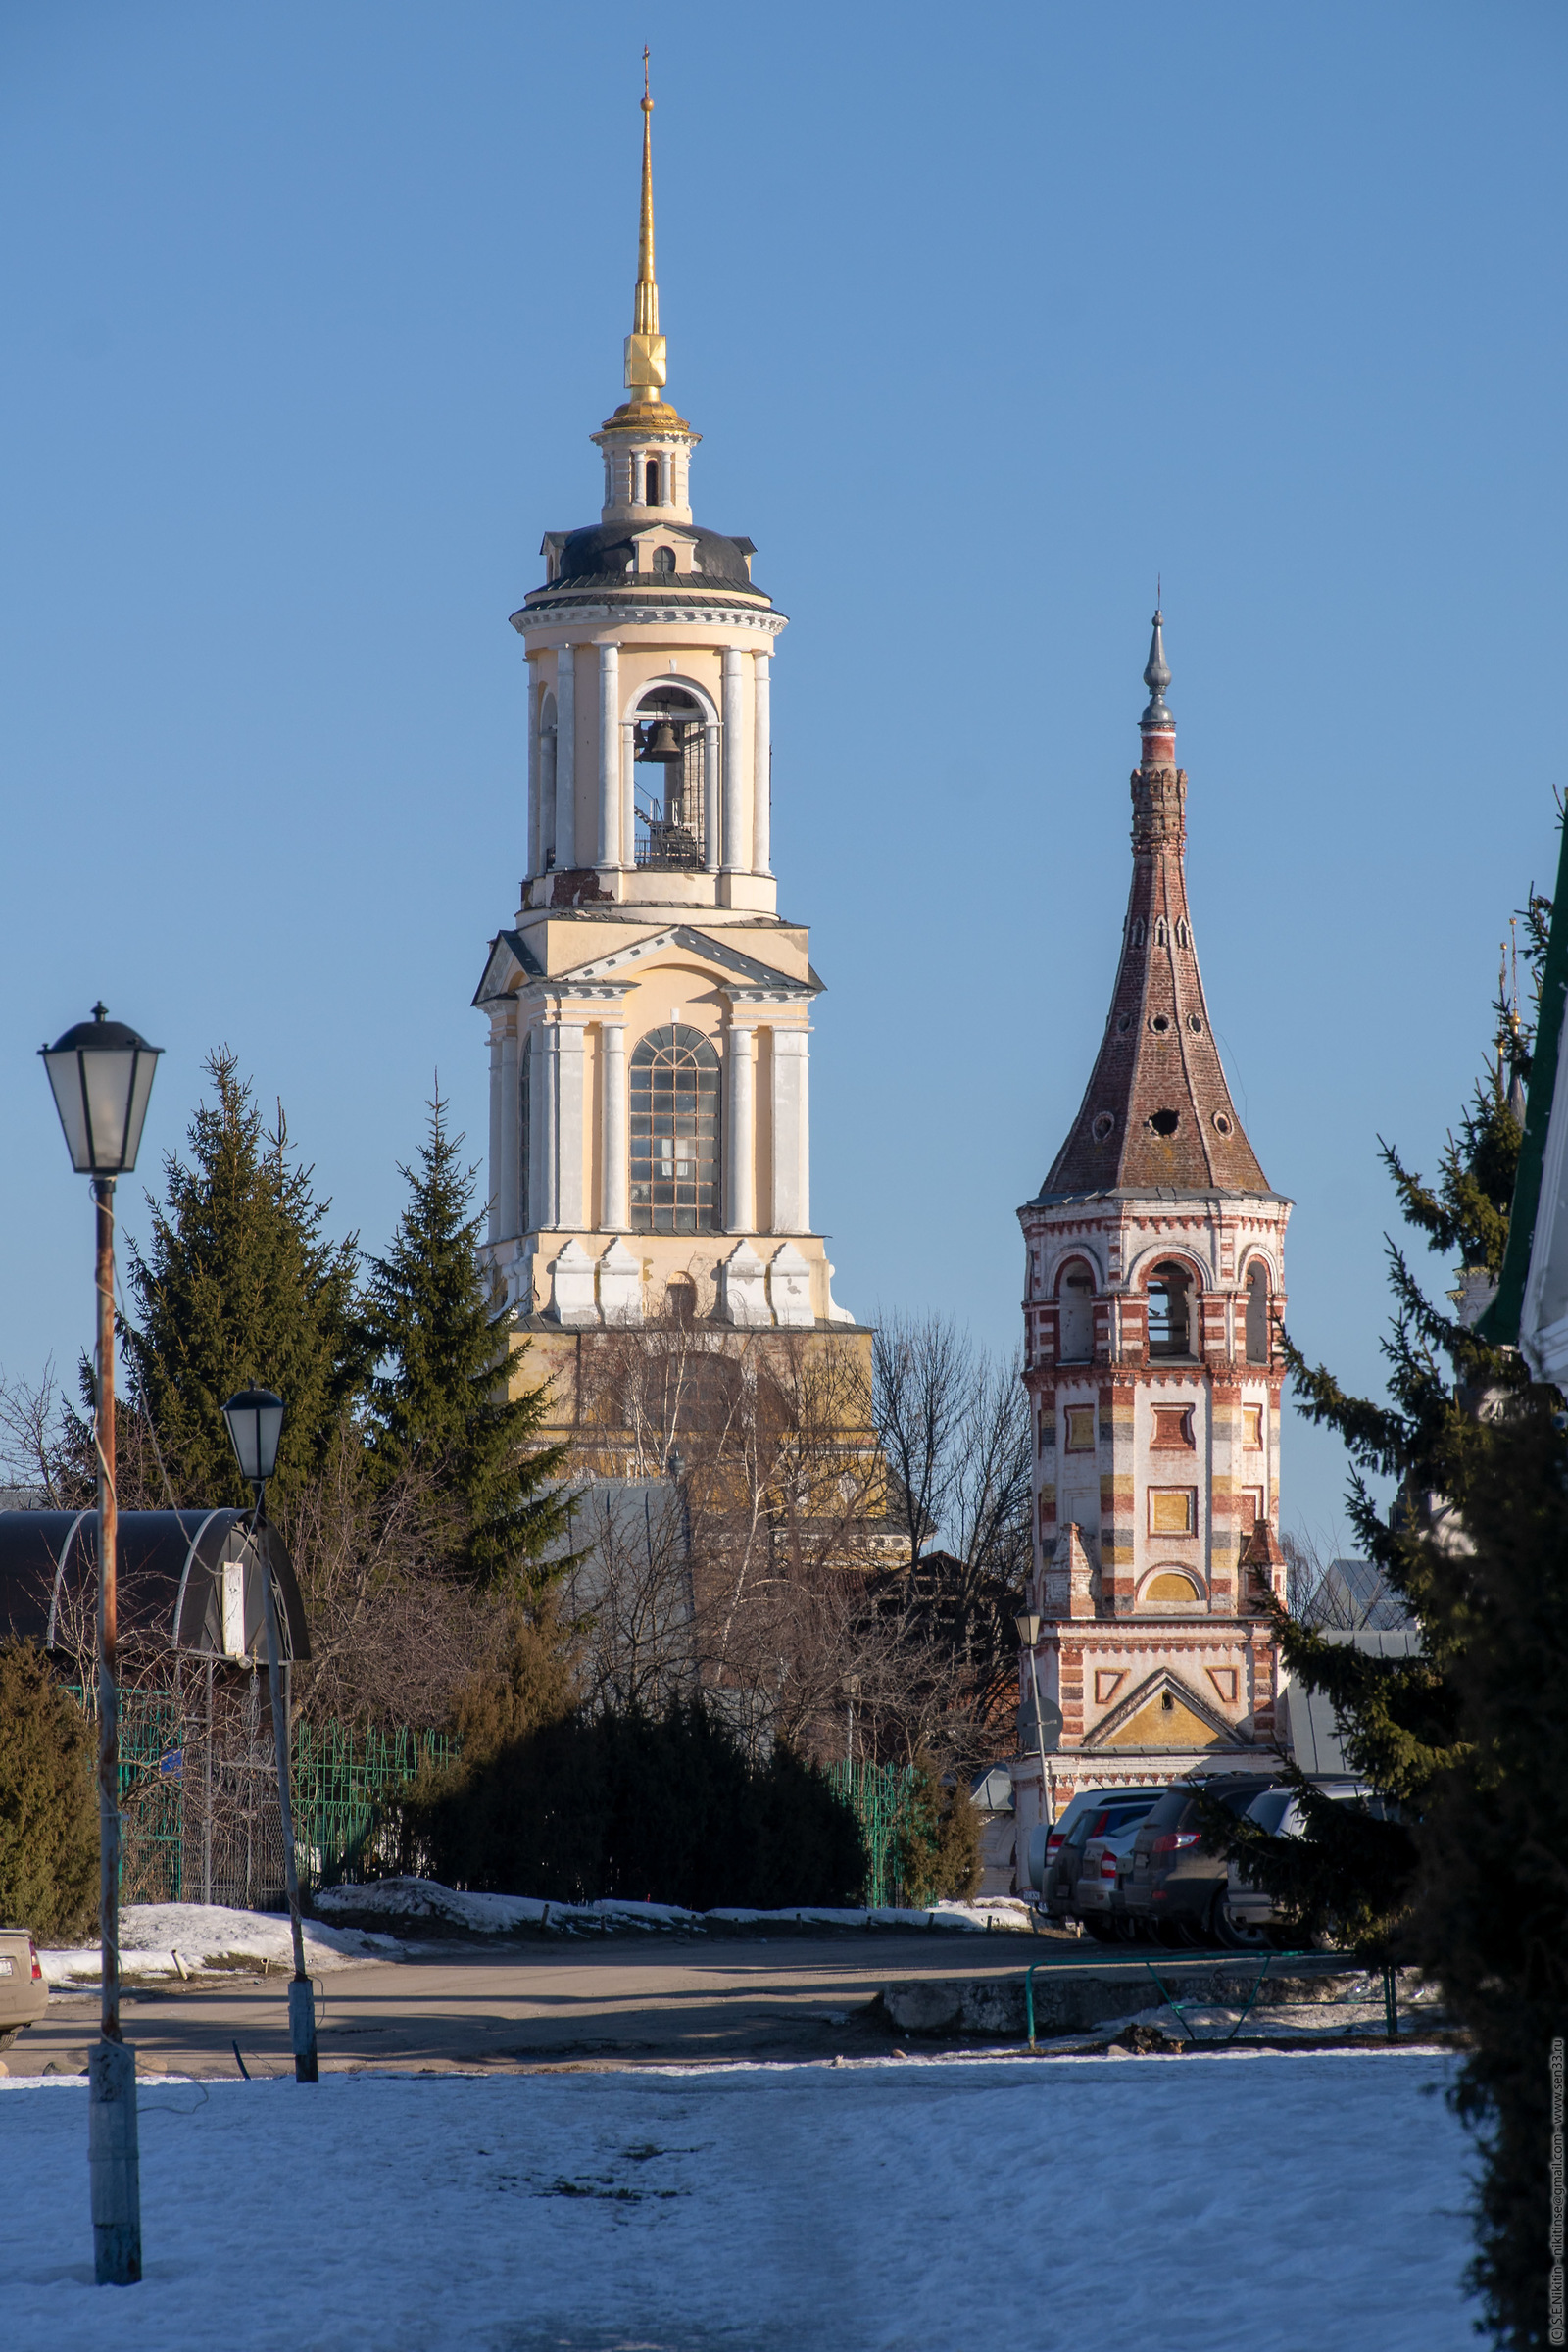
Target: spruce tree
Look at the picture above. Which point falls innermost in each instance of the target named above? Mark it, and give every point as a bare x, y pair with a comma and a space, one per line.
1471, 1736
441, 1391
240, 1284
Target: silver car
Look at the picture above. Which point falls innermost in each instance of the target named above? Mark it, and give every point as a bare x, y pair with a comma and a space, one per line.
23, 1993
1096, 1896
1279, 1812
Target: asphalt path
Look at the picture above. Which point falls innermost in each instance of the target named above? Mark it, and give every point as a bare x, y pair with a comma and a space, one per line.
452, 2006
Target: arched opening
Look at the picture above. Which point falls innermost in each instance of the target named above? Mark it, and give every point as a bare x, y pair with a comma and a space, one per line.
546, 783
1257, 1331
1170, 1310
668, 763
664, 559
674, 1133
652, 499
1076, 1342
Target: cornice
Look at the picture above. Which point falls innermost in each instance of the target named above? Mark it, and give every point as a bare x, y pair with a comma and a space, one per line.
633, 609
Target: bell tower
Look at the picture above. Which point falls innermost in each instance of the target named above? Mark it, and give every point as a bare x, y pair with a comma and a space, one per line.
649, 1007
1154, 1286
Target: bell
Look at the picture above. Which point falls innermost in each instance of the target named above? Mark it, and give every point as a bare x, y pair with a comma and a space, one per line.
660, 744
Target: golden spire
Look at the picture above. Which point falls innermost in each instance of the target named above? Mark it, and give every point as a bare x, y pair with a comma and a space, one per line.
646, 371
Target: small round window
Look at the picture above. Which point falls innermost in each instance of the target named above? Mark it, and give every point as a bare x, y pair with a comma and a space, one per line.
1161, 1023
1194, 1024
1165, 1122
1222, 1122
1124, 1024
1102, 1125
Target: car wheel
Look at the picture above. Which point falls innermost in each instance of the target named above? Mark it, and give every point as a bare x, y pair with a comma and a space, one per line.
1100, 1928
1171, 1933
1233, 1935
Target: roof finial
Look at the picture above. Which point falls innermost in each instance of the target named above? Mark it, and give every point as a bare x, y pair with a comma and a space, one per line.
646, 370
1156, 678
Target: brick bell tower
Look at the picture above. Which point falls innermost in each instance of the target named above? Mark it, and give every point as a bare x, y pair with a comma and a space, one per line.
1154, 1288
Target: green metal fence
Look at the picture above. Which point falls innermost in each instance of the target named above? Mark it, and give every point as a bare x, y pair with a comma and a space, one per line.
199, 1823
880, 1795
199, 1818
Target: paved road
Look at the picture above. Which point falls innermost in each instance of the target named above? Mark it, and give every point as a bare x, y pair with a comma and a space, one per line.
446, 2006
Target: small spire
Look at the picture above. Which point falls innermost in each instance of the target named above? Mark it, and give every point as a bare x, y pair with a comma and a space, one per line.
645, 369
1156, 678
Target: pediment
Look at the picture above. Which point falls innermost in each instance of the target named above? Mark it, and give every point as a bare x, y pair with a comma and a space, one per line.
1145, 1721
511, 961
728, 962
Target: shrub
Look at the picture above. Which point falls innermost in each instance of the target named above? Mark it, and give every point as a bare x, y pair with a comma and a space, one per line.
665, 1808
939, 1846
48, 1801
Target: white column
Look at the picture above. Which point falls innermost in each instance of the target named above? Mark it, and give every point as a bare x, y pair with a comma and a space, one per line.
710, 840
616, 1216
570, 1209
534, 787
761, 764
736, 762
739, 1134
629, 794
566, 759
792, 1135
532, 1062
494, 1170
506, 1177
608, 849
545, 1106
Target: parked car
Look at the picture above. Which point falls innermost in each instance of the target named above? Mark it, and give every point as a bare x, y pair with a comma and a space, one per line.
1097, 1893
1279, 1811
1107, 1811
23, 1994
1172, 1884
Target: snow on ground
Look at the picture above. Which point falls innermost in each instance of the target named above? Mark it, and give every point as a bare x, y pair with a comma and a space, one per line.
206, 1936
412, 1899
1246, 2203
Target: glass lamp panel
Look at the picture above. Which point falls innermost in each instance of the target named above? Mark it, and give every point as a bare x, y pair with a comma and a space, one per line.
141, 1088
106, 1077
65, 1080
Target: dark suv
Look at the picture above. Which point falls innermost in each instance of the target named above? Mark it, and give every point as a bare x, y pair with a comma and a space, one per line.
1173, 1883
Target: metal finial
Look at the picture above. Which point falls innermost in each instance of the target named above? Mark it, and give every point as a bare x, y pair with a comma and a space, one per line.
646, 357
1156, 678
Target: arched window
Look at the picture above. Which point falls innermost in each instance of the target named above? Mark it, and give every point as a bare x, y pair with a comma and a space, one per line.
674, 1133
1257, 1332
1161, 933
1136, 935
663, 559
1184, 938
1170, 1310
1077, 1318
652, 498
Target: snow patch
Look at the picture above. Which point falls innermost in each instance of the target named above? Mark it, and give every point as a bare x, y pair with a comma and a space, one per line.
156, 1939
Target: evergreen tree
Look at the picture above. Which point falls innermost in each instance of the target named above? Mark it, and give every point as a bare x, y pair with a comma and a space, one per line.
48, 1800
240, 1284
441, 1393
1471, 1736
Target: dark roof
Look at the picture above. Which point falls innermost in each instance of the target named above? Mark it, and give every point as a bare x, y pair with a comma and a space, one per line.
1156, 1111
170, 1578
605, 552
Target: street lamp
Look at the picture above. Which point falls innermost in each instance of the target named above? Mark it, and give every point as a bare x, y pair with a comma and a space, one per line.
255, 1418
1027, 1622
102, 1075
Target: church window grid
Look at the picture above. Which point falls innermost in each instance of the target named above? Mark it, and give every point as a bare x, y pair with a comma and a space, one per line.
674, 1109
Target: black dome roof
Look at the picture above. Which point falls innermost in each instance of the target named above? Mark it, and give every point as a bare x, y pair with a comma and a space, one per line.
605, 552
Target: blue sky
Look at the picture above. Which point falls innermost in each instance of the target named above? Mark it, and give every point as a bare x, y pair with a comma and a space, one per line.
985, 320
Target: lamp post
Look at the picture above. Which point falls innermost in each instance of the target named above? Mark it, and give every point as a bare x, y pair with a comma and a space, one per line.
1027, 1622
255, 1419
102, 1075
